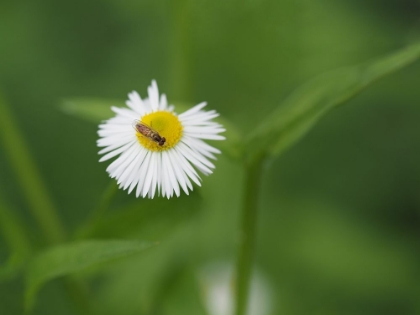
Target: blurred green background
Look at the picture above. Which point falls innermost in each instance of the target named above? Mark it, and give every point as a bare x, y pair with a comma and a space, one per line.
339, 226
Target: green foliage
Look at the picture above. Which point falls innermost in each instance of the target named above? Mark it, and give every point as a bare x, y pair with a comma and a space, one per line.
303, 109
357, 256
70, 258
293, 118
92, 110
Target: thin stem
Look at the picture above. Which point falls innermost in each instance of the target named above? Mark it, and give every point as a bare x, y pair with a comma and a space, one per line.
78, 292
28, 176
180, 54
247, 236
106, 199
16, 238
13, 229
36, 193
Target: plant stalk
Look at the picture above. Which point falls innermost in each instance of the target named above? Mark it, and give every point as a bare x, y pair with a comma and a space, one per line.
104, 204
247, 236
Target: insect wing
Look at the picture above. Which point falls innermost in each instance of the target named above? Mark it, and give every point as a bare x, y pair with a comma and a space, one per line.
140, 123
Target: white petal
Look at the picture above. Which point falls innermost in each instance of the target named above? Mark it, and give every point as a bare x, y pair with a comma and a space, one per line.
193, 110
104, 142
163, 102
187, 151
124, 112
200, 143
134, 102
154, 181
153, 96
142, 174
132, 179
149, 176
120, 160
166, 186
125, 175
207, 136
124, 160
171, 173
116, 152
179, 173
186, 166
159, 174
115, 145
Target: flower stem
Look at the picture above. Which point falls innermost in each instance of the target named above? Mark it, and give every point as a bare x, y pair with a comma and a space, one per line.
180, 68
103, 205
247, 236
28, 176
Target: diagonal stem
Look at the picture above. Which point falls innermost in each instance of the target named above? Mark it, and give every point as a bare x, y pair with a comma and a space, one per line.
104, 204
29, 178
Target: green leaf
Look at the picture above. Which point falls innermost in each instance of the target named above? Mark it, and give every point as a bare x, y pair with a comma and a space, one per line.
74, 257
90, 109
303, 108
96, 110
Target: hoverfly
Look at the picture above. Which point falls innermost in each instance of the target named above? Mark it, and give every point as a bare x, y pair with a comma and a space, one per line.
148, 132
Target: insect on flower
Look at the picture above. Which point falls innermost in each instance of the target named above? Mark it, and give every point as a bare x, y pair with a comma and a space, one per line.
148, 132
156, 150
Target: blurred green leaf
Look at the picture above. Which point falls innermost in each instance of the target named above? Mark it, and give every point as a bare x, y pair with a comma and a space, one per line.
73, 257
301, 110
90, 109
146, 218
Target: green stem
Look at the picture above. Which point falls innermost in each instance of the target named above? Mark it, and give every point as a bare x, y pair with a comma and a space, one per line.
35, 191
106, 199
247, 236
16, 238
13, 229
180, 53
78, 292
28, 176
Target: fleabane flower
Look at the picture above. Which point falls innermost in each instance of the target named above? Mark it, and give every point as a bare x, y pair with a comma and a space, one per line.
158, 152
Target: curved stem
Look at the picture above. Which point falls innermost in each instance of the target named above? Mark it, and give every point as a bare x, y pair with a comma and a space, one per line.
247, 236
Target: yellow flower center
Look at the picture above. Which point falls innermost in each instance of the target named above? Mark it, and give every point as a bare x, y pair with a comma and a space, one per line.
167, 125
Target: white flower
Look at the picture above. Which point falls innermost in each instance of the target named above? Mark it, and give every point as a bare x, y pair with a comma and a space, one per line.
158, 151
